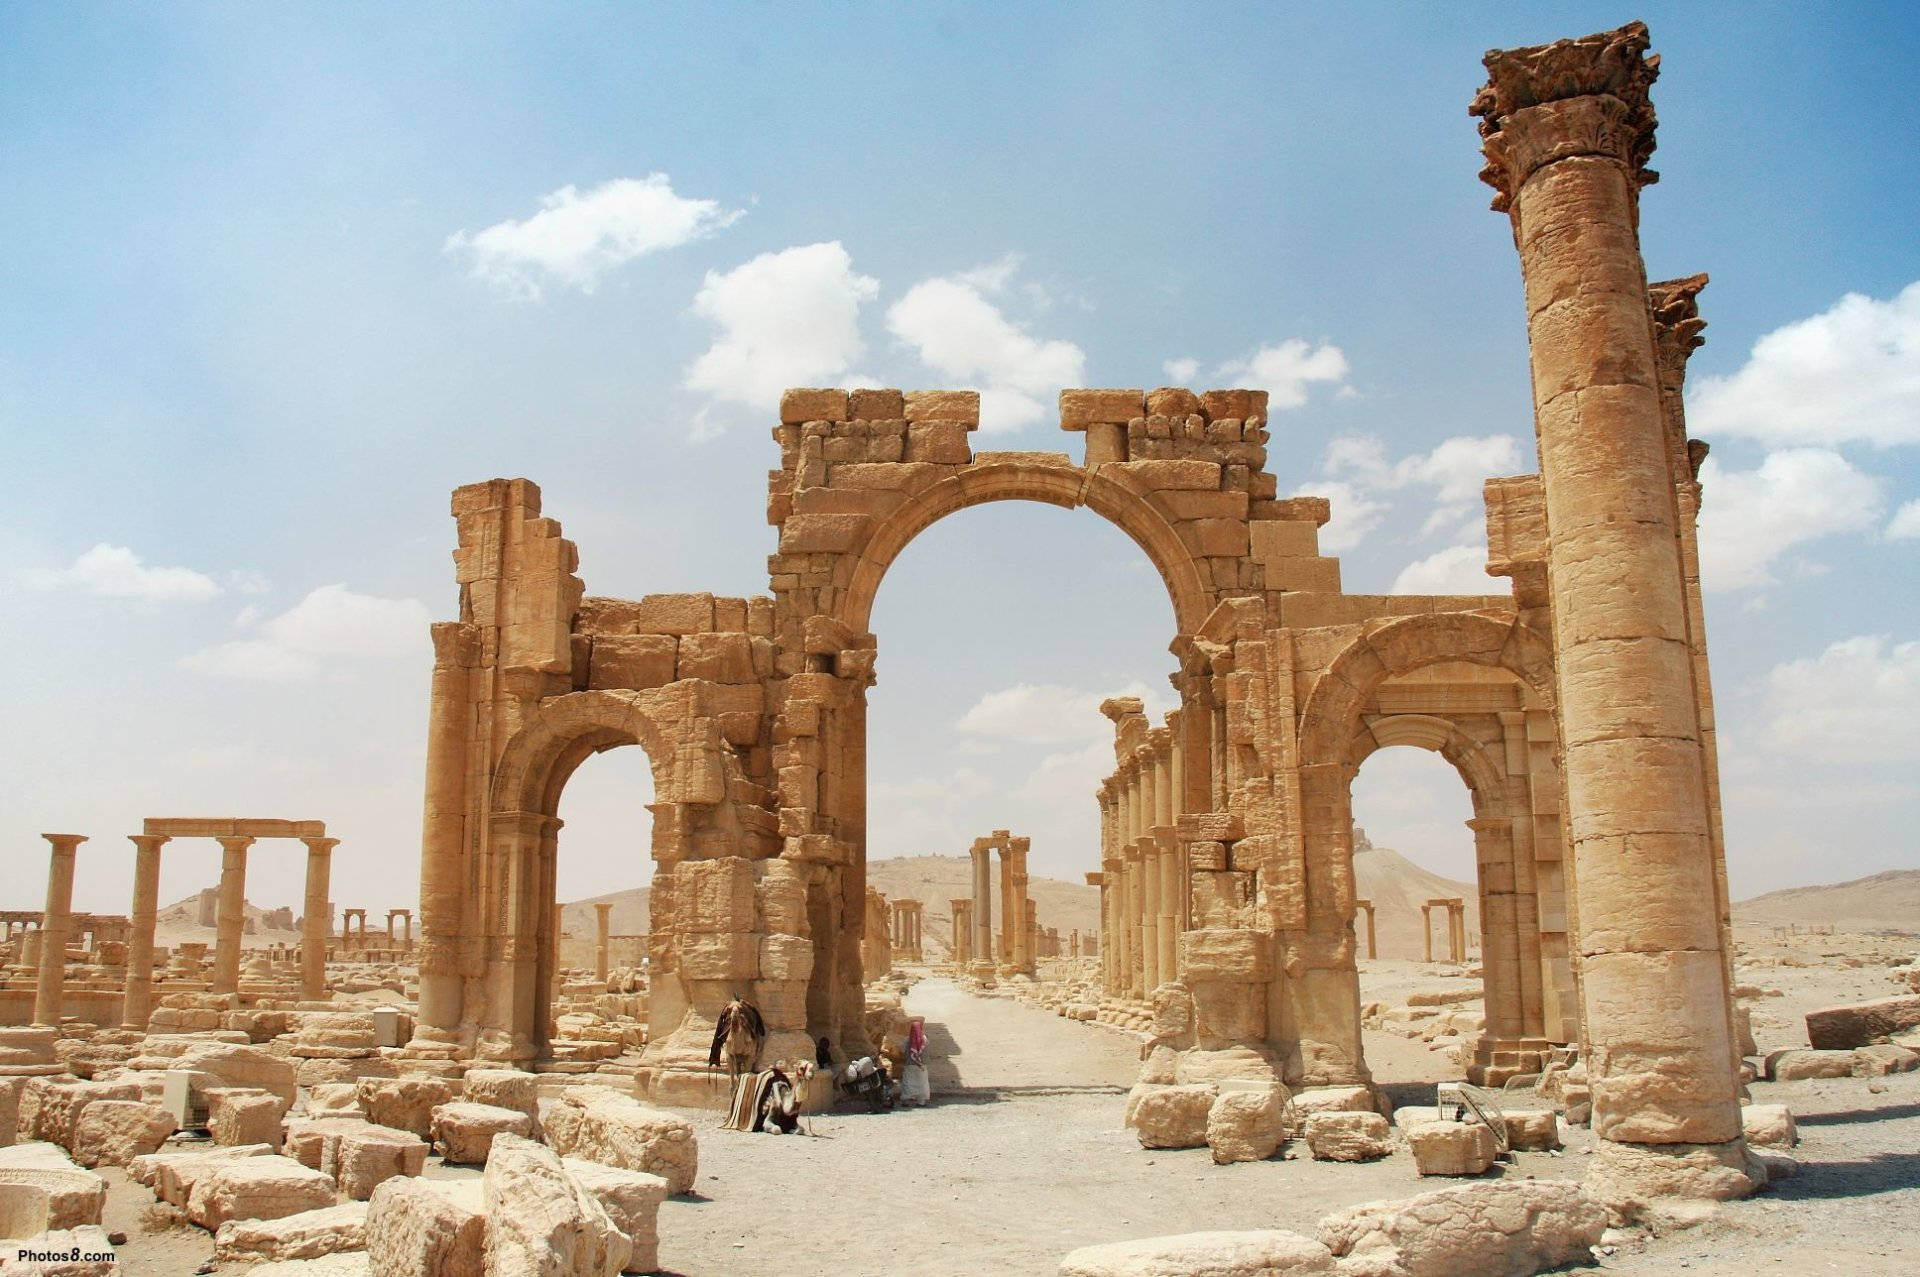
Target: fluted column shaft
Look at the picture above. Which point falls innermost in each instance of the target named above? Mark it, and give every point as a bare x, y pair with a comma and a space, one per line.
137, 1004
50, 988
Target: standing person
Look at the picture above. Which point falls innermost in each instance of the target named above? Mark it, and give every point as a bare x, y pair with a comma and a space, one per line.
914, 1088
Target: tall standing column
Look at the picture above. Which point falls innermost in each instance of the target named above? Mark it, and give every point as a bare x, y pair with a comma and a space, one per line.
230, 922
1168, 844
54, 925
137, 1004
602, 945
982, 909
1568, 129
1149, 776
1426, 932
317, 921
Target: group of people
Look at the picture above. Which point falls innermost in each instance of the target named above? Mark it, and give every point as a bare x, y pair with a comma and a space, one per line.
774, 1099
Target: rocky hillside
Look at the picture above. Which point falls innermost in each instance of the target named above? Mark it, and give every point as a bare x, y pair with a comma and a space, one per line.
1398, 888
1883, 902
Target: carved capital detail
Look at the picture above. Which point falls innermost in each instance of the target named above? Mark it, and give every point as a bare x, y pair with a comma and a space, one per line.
1677, 326
1573, 97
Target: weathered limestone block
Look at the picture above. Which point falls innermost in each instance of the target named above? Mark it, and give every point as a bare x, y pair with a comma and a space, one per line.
81, 1239
1628, 1178
237, 1064
602, 1125
1173, 1116
306, 1235
1743, 1029
1795, 1066
421, 1228
1769, 1126
256, 1188
48, 1189
1508, 1227
636, 661
244, 1115
463, 1132
1345, 1135
406, 1103
632, 1200
1451, 1148
1332, 1099
310, 1141
1533, 1132
1253, 1253
1842, 1028
335, 1099
335, 1035
114, 1132
10, 1092
1883, 1058
504, 1088
361, 1160
540, 1221
171, 1176
1247, 1124
51, 1107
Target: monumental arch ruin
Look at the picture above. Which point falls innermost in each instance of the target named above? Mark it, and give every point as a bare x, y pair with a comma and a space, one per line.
1576, 706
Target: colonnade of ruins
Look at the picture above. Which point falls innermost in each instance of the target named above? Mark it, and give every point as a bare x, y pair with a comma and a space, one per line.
1019, 919
1143, 879
905, 930
1575, 706
1456, 915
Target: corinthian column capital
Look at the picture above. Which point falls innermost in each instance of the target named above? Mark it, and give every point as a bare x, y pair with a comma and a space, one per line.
1572, 97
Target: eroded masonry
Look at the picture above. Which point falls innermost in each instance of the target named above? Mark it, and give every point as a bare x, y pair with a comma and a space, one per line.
1576, 706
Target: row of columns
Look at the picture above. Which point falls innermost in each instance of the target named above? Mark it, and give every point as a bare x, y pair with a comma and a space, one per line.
230, 925
1019, 920
961, 945
907, 920
1456, 928
1144, 900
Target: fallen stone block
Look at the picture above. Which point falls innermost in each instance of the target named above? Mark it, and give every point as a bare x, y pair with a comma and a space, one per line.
1509, 1227
632, 1201
1254, 1253
405, 1103
345, 1263
310, 1140
73, 1195
1343, 1135
1536, 1132
171, 1175
79, 1241
464, 1132
504, 1088
361, 1160
419, 1228
1247, 1124
114, 1132
256, 1188
52, 1106
10, 1091
1452, 1148
241, 1065
1173, 1116
1842, 1028
540, 1221
334, 1099
1332, 1099
1796, 1066
1883, 1058
603, 1125
306, 1235
1769, 1126
244, 1115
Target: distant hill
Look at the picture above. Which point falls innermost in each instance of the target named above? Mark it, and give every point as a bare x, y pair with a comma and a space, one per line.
1887, 901
179, 923
1398, 888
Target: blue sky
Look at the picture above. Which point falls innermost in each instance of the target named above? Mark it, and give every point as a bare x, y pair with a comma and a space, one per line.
278, 278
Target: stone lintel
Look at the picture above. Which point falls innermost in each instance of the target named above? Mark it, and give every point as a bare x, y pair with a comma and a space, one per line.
230, 827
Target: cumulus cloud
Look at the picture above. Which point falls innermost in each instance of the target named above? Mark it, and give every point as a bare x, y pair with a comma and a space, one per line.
1285, 370
330, 627
116, 572
1046, 713
1356, 472
1850, 373
1750, 519
1181, 372
790, 318
954, 327
1458, 569
1352, 517
577, 236
1855, 703
1905, 525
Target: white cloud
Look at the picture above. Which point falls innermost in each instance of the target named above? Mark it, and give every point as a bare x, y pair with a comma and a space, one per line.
1855, 703
1458, 569
1285, 370
329, 626
1849, 373
1181, 372
1750, 518
790, 318
1906, 523
1353, 514
1050, 714
956, 330
577, 237
116, 572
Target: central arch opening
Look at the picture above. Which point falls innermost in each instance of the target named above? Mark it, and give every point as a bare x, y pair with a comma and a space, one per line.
999, 634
